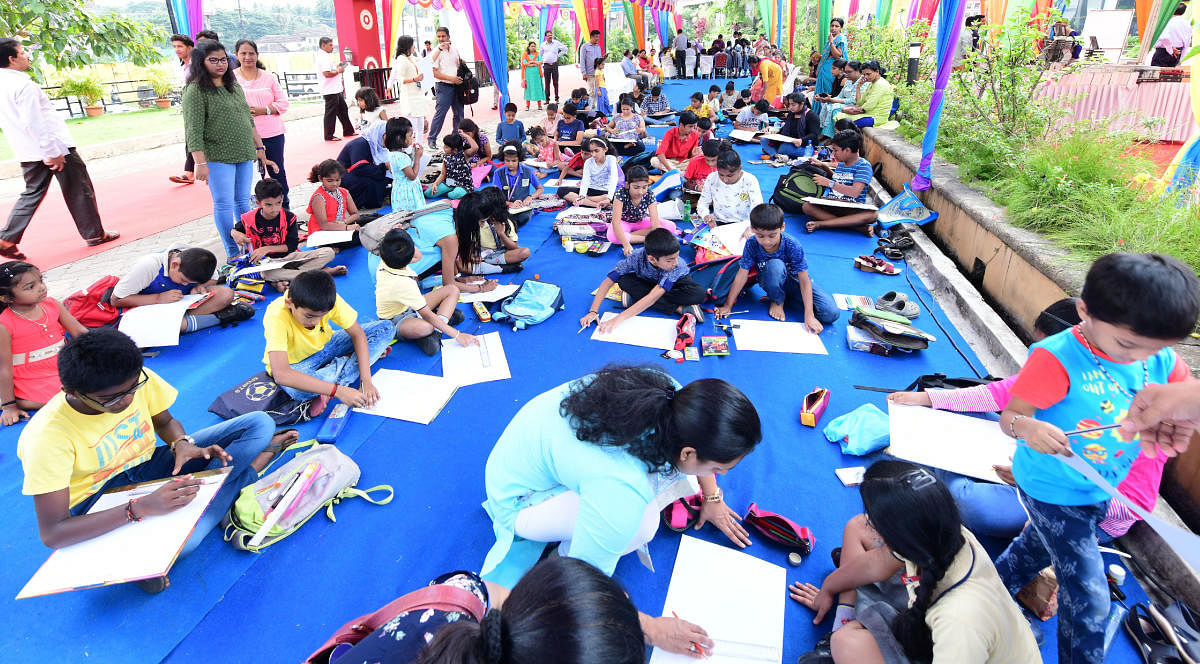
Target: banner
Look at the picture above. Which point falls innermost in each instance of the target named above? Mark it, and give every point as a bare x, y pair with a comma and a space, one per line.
883, 11
792, 32
950, 24
824, 11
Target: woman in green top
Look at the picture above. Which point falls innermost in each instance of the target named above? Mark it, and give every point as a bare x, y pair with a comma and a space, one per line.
220, 134
875, 104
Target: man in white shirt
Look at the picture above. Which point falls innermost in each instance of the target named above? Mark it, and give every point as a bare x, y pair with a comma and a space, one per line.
1174, 41
445, 94
550, 51
333, 89
589, 53
40, 140
183, 45
681, 44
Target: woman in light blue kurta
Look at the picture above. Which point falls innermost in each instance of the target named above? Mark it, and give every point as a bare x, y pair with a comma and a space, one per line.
852, 83
835, 48
584, 462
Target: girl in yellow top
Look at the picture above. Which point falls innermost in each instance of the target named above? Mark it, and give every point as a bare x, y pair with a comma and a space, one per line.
531, 81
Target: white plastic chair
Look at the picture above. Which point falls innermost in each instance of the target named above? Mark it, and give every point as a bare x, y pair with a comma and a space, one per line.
689, 62
706, 67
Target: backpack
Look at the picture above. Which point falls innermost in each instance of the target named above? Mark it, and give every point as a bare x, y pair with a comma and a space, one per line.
333, 481
467, 91
260, 392
793, 186
371, 235
716, 276
91, 306
533, 303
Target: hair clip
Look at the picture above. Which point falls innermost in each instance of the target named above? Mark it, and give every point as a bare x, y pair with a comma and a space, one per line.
918, 479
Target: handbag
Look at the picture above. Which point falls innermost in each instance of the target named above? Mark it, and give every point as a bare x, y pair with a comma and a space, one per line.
371, 235
891, 329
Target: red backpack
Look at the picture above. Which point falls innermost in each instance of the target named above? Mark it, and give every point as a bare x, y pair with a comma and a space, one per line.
91, 306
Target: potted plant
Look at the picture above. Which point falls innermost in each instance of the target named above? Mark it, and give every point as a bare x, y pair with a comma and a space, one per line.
162, 84
89, 90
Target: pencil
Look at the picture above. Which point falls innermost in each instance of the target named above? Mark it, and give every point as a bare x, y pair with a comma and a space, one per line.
699, 648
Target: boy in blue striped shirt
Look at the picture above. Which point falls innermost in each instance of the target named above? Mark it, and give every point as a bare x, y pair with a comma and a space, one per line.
850, 182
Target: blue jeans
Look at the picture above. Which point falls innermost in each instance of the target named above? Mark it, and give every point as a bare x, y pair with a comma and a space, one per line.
663, 121
782, 287
445, 99
1065, 536
784, 148
229, 185
244, 438
337, 363
274, 146
986, 508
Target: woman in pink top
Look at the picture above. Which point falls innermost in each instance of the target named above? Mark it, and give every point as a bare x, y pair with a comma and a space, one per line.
993, 509
267, 103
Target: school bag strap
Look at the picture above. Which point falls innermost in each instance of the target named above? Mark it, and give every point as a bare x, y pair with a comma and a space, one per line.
371, 234
365, 494
439, 597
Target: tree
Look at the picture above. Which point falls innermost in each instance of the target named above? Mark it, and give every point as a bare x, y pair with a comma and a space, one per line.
68, 35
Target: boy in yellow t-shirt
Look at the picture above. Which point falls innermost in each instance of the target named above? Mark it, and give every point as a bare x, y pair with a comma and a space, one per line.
398, 298
102, 431
308, 358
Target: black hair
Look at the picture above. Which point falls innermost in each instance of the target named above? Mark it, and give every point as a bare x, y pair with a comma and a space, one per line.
552, 106
596, 140
510, 107
454, 142
711, 148
704, 124
1154, 295
873, 65
766, 217
729, 85
852, 64
98, 360
369, 97
570, 108
729, 160
578, 93
183, 39
1057, 317
840, 63
639, 409
535, 133
795, 97
841, 22
762, 106
1180, 9
972, 21
687, 118
404, 45
197, 264
917, 518
660, 243
513, 146
313, 290
9, 49
597, 62
714, 88
198, 75
593, 33
745, 94
442, 28
211, 35
267, 188
468, 125
625, 100
563, 610
325, 169
636, 174
396, 249
626, 53
324, 40
484, 204
243, 42
10, 274
395, 133
752, 59
846, 125
657, 90
848, 140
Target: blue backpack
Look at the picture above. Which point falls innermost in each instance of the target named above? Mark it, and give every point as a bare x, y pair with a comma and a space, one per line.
534, 302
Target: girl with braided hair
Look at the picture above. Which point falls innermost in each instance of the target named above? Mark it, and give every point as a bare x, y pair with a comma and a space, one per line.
591, 463
912, 584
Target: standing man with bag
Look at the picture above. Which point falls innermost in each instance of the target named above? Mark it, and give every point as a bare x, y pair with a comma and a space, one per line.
41, 142
588, 54
550, 51
333, 90
445, 69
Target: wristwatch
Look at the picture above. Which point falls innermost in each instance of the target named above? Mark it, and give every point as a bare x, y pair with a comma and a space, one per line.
182, 439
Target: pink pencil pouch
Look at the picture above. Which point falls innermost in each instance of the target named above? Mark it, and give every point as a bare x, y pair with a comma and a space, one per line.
780, 529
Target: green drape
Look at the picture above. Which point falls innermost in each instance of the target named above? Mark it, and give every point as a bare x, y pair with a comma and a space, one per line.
883, 9
764, 12
1166, 12
824, 16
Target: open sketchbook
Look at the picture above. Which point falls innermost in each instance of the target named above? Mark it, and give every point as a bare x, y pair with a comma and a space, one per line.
155, 325
735, 597
135, 551
833, 202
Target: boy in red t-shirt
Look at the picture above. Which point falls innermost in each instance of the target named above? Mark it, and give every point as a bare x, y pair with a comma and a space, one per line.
699, 167
678, 145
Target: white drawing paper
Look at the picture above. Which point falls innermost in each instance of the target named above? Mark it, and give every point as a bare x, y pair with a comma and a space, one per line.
646, 331
468, 365
156, 325
410, 396
951, 441
730, 235
495, 295
774, 336
833, 202
323, 238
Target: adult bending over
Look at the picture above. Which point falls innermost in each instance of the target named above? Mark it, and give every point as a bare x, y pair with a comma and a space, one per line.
591, 463
221, 136
914, 585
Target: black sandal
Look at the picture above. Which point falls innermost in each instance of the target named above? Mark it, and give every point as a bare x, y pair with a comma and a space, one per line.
12, 252
1150, 641
107, 237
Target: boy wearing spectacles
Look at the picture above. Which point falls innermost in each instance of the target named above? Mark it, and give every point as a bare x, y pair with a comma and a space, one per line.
102, 432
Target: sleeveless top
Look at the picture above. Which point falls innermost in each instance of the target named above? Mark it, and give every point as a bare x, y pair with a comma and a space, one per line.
335, 206
35, 346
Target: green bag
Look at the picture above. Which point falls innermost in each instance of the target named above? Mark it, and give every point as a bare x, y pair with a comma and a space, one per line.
334, 478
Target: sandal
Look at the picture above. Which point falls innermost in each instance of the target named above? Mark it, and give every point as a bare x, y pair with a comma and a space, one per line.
12, 252
683, 513
873, 264
1181, 628
107, 237
1151, 643
274, 449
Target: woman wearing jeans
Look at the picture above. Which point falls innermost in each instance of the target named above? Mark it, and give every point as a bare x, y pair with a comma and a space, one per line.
220, 134
267, 103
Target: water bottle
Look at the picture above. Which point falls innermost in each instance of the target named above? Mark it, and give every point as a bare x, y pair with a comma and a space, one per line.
687, 213
808, 149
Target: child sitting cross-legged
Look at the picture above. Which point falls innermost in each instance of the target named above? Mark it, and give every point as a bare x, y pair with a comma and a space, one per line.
782, 272
518, 182
455, 179
652, 277
546, 150
169, 275
398, 298
33, 330
850, 182
699, 168
311, 361
730, 193
271, 232
635, 212
331, 207
487, 237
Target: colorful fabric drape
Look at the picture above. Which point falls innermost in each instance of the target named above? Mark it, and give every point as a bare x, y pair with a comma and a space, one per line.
486, 18
950, 24
595, 19
928, 8
824, 9
581, 21
764, 13
678, 19
1180, 177
195, 15
792, 32
899, 12
853, 10
883, 11
1141, 12
179, 15
1166, 10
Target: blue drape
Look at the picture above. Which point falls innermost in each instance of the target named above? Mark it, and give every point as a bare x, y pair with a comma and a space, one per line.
180, 14
486, 18
950, 19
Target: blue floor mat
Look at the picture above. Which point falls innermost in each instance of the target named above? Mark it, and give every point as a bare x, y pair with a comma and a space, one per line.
280, 605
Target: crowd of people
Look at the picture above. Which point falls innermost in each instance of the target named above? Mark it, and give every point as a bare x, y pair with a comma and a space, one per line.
585, 468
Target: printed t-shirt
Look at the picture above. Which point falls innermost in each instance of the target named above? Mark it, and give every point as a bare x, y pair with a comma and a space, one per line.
62, 448
283, 333
267, 231
848, 174
638, 263
568, 130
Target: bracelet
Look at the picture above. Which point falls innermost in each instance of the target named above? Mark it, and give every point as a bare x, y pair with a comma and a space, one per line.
129, 515
261, 147
203, 163
333, 393
6, 404
1012, 425
716, 497
593, 311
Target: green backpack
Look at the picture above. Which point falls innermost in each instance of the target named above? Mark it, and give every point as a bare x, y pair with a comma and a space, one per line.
296, 493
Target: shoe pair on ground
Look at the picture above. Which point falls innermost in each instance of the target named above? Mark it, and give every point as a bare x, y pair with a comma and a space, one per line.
1168, 635
9, 250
